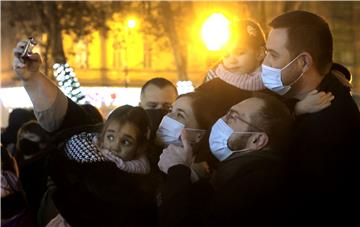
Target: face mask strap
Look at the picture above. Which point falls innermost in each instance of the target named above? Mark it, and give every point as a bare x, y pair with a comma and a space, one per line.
290, 62
296, 80
195, 130
247, 132
199, 133
244, 149
292, 83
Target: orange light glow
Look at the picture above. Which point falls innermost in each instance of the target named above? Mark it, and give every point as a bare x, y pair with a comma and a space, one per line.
215, 31
131, 23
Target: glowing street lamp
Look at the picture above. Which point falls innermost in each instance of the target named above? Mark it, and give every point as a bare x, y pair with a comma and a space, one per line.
131, 23
215, 31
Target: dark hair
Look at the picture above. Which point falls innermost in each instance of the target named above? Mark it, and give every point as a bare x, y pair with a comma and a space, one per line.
342, 74
34, 127
214, 99
307, 32
199, 107
16, 119
135, 115
250, 32
158, 82
275, 119
30, 127
93, 112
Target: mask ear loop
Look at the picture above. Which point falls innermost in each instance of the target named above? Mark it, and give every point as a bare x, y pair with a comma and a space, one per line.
242, 150
292, 83
296, 80
290, 62
200, 133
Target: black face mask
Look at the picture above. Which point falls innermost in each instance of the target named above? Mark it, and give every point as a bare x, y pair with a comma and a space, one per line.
29, 147
155, 115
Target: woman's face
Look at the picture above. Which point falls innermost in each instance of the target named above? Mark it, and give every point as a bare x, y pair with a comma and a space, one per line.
121, 139
182, 112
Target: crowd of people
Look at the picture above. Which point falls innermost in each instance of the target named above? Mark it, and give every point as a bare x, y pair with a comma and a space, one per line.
269, 139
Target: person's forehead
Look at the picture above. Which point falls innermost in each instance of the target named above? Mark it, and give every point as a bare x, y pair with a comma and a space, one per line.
183, 103
125, 128
29, 135
239, 45
155, 93
249, 106
277, 40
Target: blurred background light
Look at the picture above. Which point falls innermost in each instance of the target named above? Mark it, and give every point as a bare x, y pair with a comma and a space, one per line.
131, 23
184, 87
103, 98
215, 31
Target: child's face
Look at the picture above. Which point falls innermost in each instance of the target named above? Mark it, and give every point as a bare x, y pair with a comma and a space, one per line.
243, 60
121, 139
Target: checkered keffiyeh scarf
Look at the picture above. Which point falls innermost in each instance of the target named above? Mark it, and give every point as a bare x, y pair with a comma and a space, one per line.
81, 148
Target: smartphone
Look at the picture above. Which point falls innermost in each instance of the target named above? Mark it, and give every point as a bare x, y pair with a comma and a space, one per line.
28, 47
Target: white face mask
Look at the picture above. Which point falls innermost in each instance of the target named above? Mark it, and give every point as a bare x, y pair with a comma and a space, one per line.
271, 77
218, 140
169, 132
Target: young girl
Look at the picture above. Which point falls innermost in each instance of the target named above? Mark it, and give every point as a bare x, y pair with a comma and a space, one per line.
123, 140
242, 67
103, 180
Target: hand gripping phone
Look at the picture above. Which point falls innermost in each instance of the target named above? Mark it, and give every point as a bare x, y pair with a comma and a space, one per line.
28, 47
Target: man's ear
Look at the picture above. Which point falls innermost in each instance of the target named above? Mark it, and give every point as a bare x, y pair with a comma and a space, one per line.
258, 141
306, 62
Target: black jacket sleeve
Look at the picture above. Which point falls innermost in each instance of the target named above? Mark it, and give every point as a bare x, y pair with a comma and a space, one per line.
75, 116
181, 202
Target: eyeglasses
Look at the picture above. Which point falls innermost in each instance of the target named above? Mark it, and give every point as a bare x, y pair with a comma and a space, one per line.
230, 114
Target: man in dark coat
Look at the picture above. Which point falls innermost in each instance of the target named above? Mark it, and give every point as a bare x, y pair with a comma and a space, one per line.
325, 156
249, 187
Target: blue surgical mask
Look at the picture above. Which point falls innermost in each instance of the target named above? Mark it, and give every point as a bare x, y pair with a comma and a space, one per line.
169, 131
271, 77
218, 140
